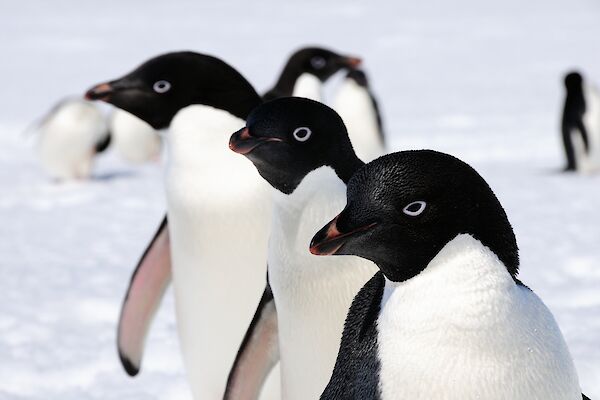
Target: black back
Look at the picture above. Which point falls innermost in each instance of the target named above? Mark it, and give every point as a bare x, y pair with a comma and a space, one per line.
356, 372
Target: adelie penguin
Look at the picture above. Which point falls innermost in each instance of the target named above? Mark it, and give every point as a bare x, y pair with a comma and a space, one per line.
70, 136
218, 208
306, 70
446, 317
581, 125
355, 103
301, 148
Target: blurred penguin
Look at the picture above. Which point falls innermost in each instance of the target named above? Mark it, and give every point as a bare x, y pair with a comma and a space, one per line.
581, 125
70, 135
134, 139
355, 103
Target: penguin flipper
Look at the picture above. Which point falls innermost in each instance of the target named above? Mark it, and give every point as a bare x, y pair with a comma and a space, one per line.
584, 397
258, 353
144, 294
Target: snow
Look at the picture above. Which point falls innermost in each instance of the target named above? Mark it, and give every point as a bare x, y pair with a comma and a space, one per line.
480, 80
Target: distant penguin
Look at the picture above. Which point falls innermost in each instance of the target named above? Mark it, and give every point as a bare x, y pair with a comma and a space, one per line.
215, 239
302, 149
581, 125
70, 136
133, 139
356, 104
306, 70
446, 316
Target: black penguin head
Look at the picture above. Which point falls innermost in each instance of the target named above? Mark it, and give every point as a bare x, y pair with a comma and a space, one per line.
403, 208
320, 62
573, 80
159, 88
289, 137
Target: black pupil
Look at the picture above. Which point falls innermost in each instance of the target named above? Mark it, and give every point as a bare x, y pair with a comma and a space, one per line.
302, 133
414, 207
161, 85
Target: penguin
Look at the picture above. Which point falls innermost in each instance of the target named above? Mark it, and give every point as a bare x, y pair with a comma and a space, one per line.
301, 148
356, 104
306, 70
70, 136
133, 139
581, 125
212, 244
446, 316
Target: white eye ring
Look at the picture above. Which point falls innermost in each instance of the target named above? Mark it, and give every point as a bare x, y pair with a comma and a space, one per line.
318, 62
302, 134
161, 86
409, 209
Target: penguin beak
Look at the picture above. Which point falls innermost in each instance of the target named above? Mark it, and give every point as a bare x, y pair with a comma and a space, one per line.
243, 143
352, 62
102, 91
329, 239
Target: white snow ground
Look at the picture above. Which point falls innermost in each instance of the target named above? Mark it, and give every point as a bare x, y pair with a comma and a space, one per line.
481, 80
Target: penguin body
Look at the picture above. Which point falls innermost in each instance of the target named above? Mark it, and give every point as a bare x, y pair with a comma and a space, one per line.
581, 125
68, 139
357, 106
306, 191
218, 215
133, 139
446, 317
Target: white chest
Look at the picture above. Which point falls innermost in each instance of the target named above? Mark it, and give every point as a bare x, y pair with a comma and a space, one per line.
308, 86
353, 103
312, 294
463, 330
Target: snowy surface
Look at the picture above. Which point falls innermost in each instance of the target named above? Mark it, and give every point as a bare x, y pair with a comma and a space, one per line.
480, 81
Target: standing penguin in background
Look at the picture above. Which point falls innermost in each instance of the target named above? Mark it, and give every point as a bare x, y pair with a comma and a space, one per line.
70, 136
446, 316
218, 215
306, 71
134, 139
581, 125
302, 149
357, 106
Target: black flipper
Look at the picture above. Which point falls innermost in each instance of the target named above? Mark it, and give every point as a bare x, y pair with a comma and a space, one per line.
103, 143
356, 372
144, 294
584, 397
258, 353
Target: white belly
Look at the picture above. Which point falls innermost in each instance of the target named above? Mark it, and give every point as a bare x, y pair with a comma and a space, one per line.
219, 214
312, 294
353, 103
463, 330
308, 86
67, 139
134, 139
589, 162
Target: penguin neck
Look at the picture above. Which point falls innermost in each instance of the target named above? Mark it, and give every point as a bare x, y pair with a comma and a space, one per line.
347, 166
463, 267
287, 79
238, 101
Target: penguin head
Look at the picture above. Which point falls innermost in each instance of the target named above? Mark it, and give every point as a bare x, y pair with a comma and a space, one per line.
289, 137
320, 62
160, 87
573, 80
403, 208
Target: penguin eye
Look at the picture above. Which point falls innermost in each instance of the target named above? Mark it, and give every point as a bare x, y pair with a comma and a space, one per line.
161, 86
302, 134
318, 62
415, 208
